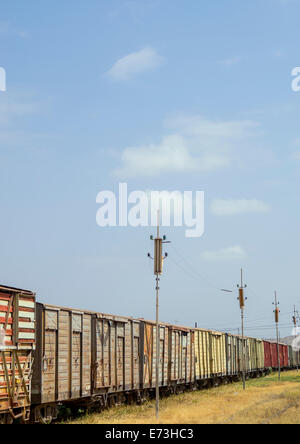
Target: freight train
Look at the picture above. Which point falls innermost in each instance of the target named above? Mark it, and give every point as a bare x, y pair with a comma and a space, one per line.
52, 356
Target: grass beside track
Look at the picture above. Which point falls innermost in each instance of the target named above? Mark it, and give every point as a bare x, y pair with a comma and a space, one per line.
266, 401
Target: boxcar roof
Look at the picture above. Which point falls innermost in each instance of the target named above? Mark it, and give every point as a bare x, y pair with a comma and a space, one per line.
97, 313
166, 324
4, 288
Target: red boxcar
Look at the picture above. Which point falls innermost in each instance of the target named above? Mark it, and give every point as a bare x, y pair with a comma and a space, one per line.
268, 355
271, 357
285, 363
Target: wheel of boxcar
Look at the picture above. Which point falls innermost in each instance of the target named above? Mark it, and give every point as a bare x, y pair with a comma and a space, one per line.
45, 414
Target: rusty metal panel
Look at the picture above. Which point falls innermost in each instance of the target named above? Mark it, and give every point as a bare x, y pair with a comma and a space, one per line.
148, 355
148, 371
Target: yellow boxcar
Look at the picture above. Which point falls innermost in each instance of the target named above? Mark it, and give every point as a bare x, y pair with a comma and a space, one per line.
210, 354
202, 355
218, 353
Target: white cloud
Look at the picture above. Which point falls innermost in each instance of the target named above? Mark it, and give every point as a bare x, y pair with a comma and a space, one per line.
134, 64
296, 153
228, 207
225, 254
8, 29
14, 105
171, 155
193, 144
229, 62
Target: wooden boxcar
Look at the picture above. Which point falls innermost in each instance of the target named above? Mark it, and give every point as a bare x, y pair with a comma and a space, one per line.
181, 356
148, 351
82, 358
17, 342
116, 351
232, 355
256, 362
62, 365
177, 357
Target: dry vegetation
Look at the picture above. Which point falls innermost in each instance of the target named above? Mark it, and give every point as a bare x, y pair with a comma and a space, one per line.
266, 401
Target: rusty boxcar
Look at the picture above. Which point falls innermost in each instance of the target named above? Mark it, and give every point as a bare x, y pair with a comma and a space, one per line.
177, 357
232, 355
83, 358
17, 342
181, 356
115, 358
271, 355
148, 351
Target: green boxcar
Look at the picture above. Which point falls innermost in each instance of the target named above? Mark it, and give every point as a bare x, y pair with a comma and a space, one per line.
294, 357
256, 355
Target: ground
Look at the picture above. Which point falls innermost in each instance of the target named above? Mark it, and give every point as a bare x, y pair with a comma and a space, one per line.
265, 401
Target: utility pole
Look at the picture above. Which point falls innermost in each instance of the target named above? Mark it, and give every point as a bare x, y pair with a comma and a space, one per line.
158, 271
277, 311
242, 299
295, 326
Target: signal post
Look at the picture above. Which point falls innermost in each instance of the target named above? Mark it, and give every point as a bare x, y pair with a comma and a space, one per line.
158, 271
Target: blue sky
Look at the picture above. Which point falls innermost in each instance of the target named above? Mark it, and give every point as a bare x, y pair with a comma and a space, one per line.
91, 87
